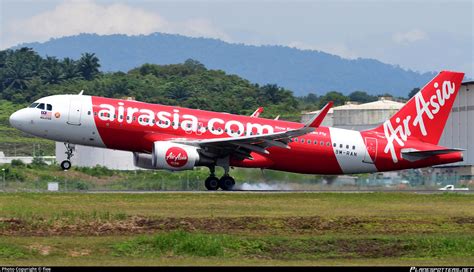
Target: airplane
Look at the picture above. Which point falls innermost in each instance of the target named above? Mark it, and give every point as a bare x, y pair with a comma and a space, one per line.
177, 138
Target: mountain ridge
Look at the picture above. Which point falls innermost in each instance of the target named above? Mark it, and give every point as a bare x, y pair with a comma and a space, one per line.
302, 71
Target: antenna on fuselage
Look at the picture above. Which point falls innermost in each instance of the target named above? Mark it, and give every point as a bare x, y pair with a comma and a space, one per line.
82, 91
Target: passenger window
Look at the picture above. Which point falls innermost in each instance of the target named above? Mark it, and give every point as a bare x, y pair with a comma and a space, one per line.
41, 106
334, 144
353, 147
302, 140
347, 146
295, 139
328, 144
321, 143
340, 146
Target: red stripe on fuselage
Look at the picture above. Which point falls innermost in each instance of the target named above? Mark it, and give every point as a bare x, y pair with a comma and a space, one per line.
304, 157
310, 154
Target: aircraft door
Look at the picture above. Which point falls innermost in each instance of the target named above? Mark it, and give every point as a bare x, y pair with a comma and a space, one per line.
75, 108
371, 145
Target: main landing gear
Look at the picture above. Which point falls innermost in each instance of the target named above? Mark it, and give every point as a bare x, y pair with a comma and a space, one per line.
66, 164
213, 183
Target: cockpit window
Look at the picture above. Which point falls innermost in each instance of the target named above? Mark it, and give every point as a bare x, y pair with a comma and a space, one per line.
33, 105
41, 106
49, 107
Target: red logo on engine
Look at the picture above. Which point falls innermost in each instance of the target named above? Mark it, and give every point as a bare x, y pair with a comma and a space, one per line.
176, 157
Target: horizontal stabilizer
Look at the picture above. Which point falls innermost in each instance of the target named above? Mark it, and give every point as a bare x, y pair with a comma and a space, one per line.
410, 154
318, 118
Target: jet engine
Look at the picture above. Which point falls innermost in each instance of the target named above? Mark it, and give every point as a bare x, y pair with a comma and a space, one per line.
171, 156
142, 160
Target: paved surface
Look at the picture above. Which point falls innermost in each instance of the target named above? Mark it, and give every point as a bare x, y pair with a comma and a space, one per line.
286, 191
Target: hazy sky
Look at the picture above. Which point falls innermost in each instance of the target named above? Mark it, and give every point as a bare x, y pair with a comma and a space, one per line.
419, 35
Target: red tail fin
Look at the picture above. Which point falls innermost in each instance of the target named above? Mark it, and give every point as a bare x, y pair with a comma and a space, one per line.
426, 113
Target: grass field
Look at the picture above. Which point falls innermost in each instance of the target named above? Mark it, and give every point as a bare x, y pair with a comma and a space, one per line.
237, 229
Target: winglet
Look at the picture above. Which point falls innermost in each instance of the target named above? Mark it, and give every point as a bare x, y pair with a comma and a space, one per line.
257, 112
318, 118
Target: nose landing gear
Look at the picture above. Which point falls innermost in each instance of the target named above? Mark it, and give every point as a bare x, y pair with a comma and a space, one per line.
66, 164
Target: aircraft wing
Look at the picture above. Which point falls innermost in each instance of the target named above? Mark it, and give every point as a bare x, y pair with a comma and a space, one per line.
246, 144
256, 143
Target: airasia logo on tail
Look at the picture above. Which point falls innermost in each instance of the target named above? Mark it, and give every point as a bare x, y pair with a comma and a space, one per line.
176, 157
425, 108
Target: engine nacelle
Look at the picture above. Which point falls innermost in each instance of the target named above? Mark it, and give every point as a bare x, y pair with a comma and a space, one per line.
175, 157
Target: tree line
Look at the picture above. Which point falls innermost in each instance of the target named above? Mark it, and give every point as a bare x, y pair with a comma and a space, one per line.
26, 76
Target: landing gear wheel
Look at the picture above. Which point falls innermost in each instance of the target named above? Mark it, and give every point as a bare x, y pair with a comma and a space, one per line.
66, 165
227, 183
212, 183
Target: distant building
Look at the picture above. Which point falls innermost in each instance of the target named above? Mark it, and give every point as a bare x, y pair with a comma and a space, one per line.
359, 116
459, 133
92, 156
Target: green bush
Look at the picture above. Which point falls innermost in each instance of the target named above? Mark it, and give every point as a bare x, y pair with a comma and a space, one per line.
38, 162
12, 174
17, 163
80, 185
96, 171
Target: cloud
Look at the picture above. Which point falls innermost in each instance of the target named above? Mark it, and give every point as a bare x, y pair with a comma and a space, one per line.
411, 36
74, 17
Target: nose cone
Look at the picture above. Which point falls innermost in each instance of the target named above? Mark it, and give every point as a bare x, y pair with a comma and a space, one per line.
17, 119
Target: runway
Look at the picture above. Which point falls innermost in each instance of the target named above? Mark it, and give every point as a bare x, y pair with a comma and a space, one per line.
278, 191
